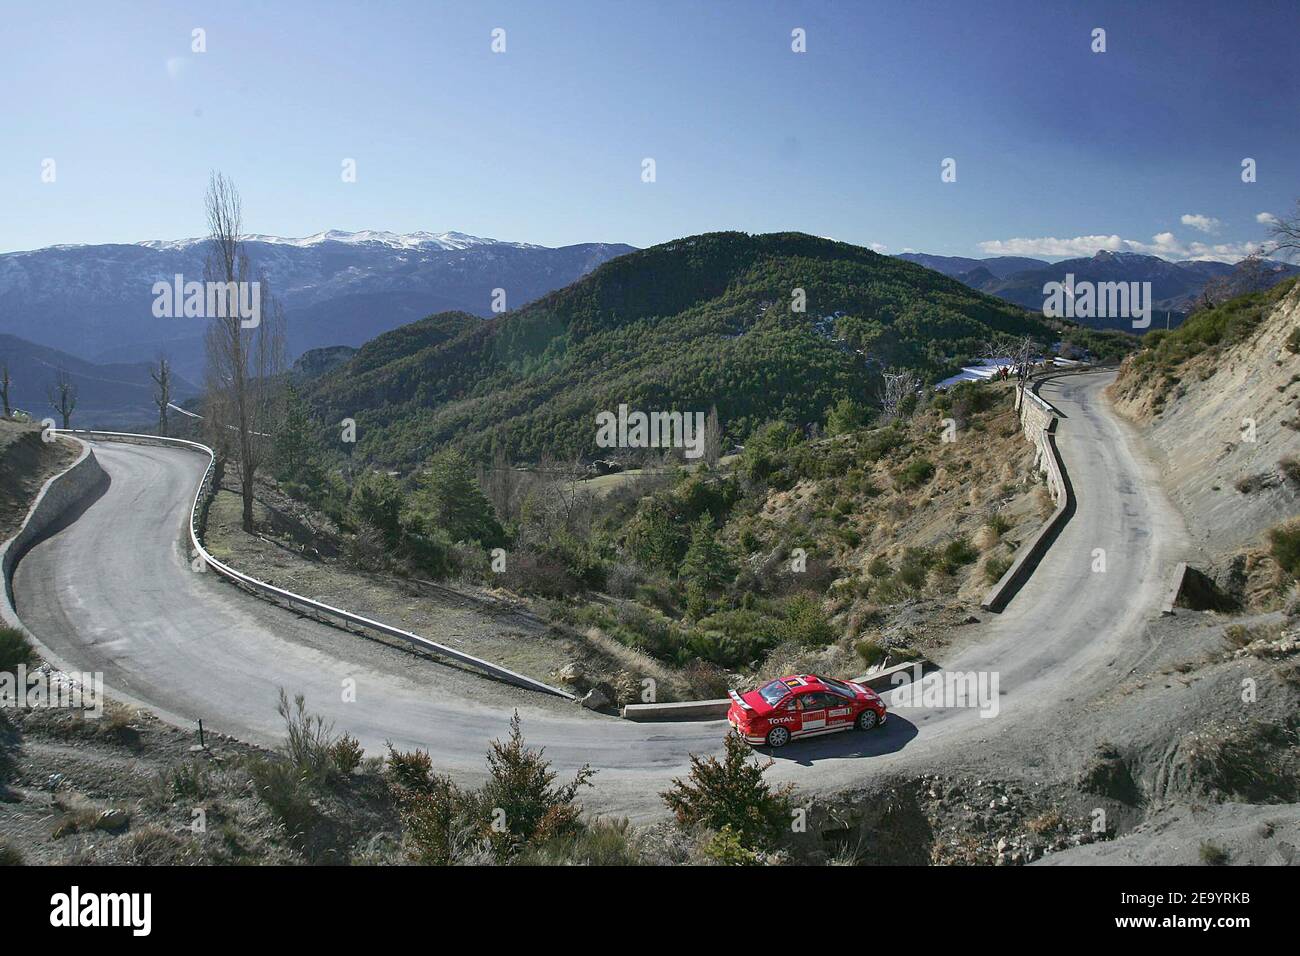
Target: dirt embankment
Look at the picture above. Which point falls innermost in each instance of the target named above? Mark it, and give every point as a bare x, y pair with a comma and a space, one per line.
26, 463
1223, 422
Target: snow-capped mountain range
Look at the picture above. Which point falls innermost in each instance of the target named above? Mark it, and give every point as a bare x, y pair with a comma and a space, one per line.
337, 288
410, 240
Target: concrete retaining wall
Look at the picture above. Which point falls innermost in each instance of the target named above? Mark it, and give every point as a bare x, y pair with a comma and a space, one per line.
1039, 420
58, 498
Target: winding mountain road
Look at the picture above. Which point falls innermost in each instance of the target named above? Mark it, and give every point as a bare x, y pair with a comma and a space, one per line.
114, 592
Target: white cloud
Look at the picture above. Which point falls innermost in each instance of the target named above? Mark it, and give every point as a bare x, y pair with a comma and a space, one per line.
1201, 223
1163, 244
1265, 218
878, 247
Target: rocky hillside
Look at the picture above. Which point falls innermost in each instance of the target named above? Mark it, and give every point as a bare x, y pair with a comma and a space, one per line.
1219, 401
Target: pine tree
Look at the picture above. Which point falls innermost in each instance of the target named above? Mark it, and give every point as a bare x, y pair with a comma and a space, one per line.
707, 563
296, 449
449, 498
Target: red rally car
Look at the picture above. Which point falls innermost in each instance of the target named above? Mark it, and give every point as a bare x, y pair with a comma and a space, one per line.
803, 705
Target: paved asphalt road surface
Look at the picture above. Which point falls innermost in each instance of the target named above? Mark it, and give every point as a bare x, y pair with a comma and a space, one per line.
114, 592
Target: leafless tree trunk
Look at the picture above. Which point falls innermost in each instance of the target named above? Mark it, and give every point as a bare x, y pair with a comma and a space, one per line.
1023, 351
502, 484
162, 397
63, 397
896, 387
4, 389
243, 361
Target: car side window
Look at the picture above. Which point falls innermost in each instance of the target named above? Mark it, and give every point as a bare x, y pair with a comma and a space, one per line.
814, 701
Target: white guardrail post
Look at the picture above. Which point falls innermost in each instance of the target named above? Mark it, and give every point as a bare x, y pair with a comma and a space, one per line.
281, 594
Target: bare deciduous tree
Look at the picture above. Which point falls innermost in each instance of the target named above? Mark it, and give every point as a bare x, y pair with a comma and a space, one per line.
162, 396
1285, 231
554, 502
63, 397
1023, 352
243, 360
895, 387
503, 484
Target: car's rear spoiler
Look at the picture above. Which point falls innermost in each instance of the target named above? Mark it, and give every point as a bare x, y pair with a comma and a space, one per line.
738, 699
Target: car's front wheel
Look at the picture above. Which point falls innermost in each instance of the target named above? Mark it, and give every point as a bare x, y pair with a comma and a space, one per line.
778, 737
868, 720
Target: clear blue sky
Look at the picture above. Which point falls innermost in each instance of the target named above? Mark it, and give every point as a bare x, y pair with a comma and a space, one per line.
544, 142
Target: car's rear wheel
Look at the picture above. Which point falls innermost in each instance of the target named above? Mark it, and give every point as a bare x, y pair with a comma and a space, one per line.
778, 737
868, 720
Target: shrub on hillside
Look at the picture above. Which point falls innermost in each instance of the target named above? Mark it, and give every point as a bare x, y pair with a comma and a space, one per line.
732, 794
409, 770
518, 807
764, 450
286, 792
995, 567
806, 623
735, 637
879, 443
916, 473
1254, 763
872, 651
1284, 541
540, 574
1290, 468
957, 553
311, 745
15, 649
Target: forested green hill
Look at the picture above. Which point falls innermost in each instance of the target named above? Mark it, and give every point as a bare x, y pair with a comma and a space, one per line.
699, 322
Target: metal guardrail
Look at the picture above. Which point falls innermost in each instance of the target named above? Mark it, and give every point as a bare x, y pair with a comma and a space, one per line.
261, 587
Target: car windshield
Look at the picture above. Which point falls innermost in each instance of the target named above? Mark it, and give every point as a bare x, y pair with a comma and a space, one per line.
773, 692
839, 687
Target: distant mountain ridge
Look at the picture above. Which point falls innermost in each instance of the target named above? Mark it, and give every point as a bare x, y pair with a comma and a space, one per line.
955, 266
338, 288
1174, 285
108, 396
